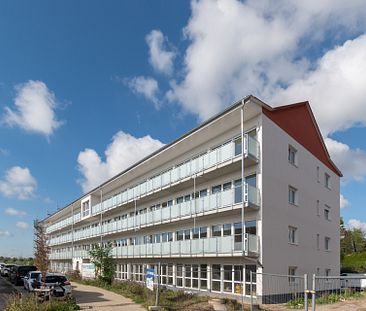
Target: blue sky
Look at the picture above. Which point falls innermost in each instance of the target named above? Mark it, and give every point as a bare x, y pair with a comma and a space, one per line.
88, 87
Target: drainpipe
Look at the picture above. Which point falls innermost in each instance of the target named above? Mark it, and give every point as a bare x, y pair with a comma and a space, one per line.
101, 217
244, 250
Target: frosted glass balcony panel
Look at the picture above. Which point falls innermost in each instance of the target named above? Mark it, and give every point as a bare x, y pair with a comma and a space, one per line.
149, 185
227, 151
143, 188
175, 248
213, 157
129, 194
252, 243
252, 146
210, 245
157, 216
226, 198
136, 191
185, 209
149, 249
124, 224
143, 219
149, 218
124, 196
175, 211
157, 249
130, 222
165, 213
196, 246
166, 178
225, 244
175, 174
165, 248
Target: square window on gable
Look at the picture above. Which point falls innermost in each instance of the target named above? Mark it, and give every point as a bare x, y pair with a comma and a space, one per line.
292, 155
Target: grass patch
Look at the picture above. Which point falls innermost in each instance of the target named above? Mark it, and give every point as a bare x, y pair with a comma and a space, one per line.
355, 262
327, 299
168, 299
30, 303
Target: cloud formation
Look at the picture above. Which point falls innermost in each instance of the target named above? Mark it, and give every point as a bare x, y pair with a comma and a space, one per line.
121, 153
22, 225
159, 57
146, 86
34, 109
4, 233
14, 212
19, 183
357, 224
343, 201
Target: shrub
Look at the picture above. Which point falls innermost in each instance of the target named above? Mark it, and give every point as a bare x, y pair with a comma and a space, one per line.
15, 303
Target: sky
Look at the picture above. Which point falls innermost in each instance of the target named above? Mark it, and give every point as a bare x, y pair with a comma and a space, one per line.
89, 87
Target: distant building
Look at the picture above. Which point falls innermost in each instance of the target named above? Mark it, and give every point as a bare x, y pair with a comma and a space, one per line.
182, 206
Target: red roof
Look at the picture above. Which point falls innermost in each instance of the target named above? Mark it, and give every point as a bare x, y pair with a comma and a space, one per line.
298, 121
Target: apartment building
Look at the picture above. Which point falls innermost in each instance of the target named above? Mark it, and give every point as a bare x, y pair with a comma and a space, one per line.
251, 189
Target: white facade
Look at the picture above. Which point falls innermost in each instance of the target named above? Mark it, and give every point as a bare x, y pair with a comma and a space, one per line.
152, 218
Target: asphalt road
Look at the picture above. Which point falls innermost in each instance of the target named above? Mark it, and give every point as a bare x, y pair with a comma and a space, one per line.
6, 289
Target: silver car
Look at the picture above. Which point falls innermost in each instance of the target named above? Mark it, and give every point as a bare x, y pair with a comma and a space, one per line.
57, 282
29, 279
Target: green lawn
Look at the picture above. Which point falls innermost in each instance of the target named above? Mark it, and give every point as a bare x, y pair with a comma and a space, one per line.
354, 262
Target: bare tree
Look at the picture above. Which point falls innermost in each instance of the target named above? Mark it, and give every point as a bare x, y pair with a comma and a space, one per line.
41, 249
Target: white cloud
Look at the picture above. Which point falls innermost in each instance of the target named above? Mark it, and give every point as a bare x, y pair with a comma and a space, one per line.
343, 201
236, 48
4, 233
18, 182
34, 109
350, 161
145, 86
357, 224
335, 88
124, 151
14, 212
22, 225
160, 59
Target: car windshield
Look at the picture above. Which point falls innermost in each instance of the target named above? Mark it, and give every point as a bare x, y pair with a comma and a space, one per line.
55, 279
34, 275
25, 270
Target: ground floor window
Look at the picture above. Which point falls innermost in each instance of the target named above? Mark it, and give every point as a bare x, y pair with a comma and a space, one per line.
137, 273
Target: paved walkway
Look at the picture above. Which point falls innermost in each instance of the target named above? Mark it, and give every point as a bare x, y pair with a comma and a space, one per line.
95, 298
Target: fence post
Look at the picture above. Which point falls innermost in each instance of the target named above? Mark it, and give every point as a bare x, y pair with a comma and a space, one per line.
251, 290
306, 292
313, 294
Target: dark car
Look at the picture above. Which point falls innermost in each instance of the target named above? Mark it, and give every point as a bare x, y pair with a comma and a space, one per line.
5, 270
19, 272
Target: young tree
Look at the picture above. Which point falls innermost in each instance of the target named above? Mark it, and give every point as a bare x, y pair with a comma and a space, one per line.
103, 261
41, 249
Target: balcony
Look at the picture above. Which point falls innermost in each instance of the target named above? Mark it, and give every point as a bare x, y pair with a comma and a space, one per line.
209, 247
207, 160
210, 204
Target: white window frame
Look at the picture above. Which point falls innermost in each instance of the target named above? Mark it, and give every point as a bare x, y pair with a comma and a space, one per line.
327, 243
293, 235
292, 274
327, 210
327, 181
292, 195
292, 155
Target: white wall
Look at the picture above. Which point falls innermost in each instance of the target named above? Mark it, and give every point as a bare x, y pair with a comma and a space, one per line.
278, 214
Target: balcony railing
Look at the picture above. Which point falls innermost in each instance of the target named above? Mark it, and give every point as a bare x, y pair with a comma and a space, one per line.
209, 159
215, 246
208, 204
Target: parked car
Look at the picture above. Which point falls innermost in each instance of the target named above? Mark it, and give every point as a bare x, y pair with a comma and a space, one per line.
29, 279
58, 282
5, 270
19, 272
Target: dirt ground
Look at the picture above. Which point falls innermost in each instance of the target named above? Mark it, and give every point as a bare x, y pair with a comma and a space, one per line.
350, 305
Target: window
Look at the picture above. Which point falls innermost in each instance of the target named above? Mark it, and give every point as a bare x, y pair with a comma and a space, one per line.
292, 195
292, 155
226, 186
327, 180
227, 229
179, 275
327, 272
292, 235
216, 278
317, 208
216, 189
216, 230
292, 273
179, 200
318, 241
238, 147
179, 235
318, 174
327, 243
86, 208
228, 277
327, 212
